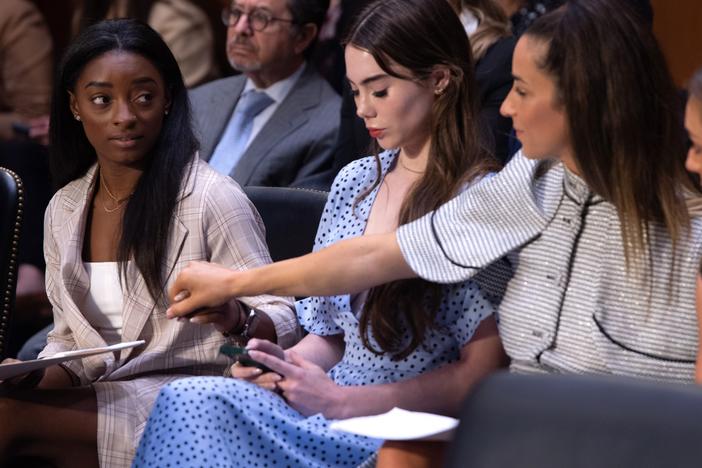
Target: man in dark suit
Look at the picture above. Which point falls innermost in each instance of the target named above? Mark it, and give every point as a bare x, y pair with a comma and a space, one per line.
276, 123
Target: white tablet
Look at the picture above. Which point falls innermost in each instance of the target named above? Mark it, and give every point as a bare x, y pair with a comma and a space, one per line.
14, 369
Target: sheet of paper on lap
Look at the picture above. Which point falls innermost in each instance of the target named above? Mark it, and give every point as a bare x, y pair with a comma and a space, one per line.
399, 424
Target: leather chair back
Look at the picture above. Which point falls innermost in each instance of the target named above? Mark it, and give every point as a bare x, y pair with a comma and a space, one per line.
291, 217
11, 207
555, 421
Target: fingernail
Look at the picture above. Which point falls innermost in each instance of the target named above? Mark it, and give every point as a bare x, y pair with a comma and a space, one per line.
180, 296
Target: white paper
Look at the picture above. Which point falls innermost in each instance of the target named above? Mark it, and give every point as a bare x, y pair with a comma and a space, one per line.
399, 424
18, 368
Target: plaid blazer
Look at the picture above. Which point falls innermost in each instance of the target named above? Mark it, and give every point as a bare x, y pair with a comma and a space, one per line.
213, 221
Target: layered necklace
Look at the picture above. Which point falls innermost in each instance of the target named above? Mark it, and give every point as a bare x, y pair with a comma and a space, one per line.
119, 202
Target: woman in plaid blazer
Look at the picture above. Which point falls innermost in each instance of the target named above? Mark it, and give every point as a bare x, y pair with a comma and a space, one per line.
136, 205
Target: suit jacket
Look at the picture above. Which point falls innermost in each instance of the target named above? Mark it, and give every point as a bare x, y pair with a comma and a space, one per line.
214, 221
292, 148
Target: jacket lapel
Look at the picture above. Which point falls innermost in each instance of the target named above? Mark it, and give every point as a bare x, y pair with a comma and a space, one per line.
139, 306
75, 282
292, 113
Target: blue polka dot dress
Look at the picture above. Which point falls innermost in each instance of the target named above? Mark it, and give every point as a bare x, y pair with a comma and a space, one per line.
211, 422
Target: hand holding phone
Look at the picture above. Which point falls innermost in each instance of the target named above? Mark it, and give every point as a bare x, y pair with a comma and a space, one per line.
242, 356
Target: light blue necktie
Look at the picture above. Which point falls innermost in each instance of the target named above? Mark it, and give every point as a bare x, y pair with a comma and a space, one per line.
233, 143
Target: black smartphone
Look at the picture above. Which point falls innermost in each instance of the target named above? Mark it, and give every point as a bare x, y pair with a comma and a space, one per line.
241, 356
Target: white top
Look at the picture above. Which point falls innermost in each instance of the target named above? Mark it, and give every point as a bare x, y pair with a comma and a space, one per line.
469, 21
102, 306
278, 91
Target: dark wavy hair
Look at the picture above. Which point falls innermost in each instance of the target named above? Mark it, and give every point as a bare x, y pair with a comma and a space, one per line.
147, 217
419, 35
623, 114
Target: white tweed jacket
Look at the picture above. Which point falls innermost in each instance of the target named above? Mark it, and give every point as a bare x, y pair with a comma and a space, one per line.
571, 305
213, 221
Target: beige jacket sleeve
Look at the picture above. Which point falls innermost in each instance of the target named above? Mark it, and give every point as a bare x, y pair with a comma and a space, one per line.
26, 63
61, 337
187, 31
235, 237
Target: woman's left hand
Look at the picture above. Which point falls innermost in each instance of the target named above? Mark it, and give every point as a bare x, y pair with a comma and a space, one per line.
306, 387
225, 318
200, 285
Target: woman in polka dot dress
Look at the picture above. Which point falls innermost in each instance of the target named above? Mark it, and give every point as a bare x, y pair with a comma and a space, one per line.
410, 343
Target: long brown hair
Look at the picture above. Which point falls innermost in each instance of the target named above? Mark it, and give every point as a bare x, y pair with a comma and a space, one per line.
419, 35
622, 112
493, 24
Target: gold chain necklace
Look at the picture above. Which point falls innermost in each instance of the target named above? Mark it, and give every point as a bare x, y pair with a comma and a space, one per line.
117, 201
407, 168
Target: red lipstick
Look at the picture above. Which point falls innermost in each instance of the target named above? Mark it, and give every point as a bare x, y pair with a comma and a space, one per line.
376, 132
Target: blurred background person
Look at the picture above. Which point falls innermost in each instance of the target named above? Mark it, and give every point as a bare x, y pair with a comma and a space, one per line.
276, 123
523, 13
26, 67
693, 124
26, 72
182, 24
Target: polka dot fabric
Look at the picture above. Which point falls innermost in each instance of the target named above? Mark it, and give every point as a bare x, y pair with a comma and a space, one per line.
219, 422
213, 422
463, 307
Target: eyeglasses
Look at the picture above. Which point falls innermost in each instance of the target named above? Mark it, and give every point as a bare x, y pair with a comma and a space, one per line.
258, 19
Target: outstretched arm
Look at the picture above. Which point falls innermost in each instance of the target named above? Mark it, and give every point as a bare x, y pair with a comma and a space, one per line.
309, 389
349, 266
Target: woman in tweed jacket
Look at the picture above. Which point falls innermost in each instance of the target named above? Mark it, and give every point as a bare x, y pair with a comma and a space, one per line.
136, 205
693, 163
604, 250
